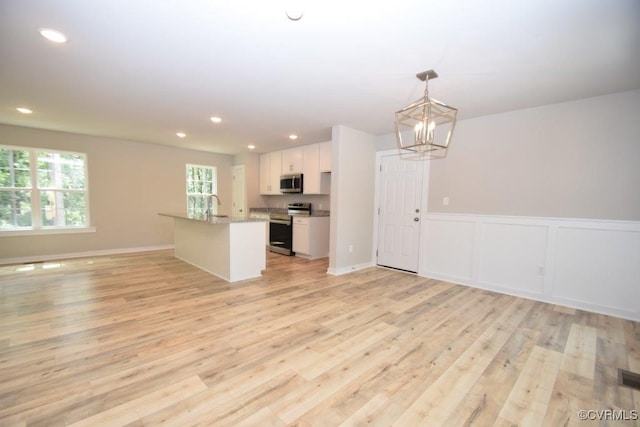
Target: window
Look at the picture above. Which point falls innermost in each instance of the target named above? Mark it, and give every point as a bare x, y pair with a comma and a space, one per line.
202, 181
42, 189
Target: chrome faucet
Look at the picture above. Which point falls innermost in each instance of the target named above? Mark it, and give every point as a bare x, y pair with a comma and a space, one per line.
209, 211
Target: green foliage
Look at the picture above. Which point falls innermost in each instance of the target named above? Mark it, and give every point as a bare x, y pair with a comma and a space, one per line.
201, 181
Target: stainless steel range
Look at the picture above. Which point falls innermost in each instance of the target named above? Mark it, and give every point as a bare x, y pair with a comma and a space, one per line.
280, 233
281, 228
303, 209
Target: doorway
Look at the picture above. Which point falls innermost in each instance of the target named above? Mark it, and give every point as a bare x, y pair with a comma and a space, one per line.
239, 193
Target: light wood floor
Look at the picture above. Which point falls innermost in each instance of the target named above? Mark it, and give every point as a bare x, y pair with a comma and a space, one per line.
145, 339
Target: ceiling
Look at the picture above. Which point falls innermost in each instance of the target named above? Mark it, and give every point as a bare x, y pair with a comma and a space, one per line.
143, 70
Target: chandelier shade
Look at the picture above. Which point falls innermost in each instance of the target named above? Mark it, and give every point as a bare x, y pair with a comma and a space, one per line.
424, 127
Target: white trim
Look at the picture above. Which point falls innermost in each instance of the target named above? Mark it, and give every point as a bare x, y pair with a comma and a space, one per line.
36, 192
104, 252
609, 224
32, 232
349, 269
580, 263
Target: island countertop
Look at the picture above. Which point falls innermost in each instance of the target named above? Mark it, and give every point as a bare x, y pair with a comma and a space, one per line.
214, 219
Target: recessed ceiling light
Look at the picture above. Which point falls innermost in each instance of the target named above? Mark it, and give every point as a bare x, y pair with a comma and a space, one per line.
215, 119
53, 35
294, 9
293, 137
181, 134
24, 110
251, 146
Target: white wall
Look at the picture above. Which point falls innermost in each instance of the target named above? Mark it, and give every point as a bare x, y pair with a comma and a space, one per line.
251, 162
352, 195
575, 159
129, 183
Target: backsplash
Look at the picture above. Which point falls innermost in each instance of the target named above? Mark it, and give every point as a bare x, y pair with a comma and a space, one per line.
318, 203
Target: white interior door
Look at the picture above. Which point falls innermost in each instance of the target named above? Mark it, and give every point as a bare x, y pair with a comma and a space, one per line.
399, 213
239, 194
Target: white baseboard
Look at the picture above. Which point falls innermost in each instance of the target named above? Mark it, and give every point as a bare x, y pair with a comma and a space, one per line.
349, 269
571, 303
104, 252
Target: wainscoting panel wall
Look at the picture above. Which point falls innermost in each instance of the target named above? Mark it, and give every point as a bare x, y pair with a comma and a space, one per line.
448, 249
588, 264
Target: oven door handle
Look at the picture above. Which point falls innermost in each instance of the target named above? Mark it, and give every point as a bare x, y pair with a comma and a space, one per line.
280, 221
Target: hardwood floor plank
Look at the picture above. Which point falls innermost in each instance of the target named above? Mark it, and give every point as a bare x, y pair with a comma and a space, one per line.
579, 356
150, 403
482, 404
345, 350
379, 411
528, 401
437, 403
571, 394
297, 403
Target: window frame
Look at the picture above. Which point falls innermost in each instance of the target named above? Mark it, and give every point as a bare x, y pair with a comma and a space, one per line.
204, 196
36, 193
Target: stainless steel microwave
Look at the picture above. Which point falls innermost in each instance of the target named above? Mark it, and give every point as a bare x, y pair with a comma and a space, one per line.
291, 183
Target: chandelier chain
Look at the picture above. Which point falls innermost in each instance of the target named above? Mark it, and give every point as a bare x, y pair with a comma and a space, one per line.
426, 87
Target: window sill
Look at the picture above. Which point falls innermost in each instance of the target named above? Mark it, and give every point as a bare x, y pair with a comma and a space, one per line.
44, 231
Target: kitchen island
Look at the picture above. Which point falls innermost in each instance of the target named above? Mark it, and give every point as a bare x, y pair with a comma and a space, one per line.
230, 248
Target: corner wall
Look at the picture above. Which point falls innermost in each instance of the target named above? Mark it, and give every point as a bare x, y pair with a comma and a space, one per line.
352, 196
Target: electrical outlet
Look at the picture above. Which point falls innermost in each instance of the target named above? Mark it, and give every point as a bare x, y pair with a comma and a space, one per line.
445, 201
350, 248
541, 270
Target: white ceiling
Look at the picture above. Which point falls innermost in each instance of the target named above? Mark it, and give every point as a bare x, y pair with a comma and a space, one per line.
144, 69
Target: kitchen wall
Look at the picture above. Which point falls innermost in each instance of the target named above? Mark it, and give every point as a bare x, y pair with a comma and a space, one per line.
352, 200
256, 200
129, 183
251, 161
318, 202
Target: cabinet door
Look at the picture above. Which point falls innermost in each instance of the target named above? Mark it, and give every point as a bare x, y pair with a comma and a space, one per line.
292, 160
265, 173
275, 171
311, 169
301, 235
325, 156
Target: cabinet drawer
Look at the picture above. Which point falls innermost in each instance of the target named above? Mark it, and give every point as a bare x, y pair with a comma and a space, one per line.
302, 221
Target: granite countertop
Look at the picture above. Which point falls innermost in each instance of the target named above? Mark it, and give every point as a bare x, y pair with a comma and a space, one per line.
214, 219
284, 211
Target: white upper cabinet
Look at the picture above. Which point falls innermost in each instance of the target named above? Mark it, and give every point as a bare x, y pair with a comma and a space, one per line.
315, 181
311, 169
325, 156
313, 161
270, 168
292, 160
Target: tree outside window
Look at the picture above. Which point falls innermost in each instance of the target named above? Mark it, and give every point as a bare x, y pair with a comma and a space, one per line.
60, 194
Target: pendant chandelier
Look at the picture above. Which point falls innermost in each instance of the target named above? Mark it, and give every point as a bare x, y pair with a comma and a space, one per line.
424, 128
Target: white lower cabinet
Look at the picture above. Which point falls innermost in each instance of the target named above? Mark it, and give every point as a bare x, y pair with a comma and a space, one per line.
265, 216
311, 237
